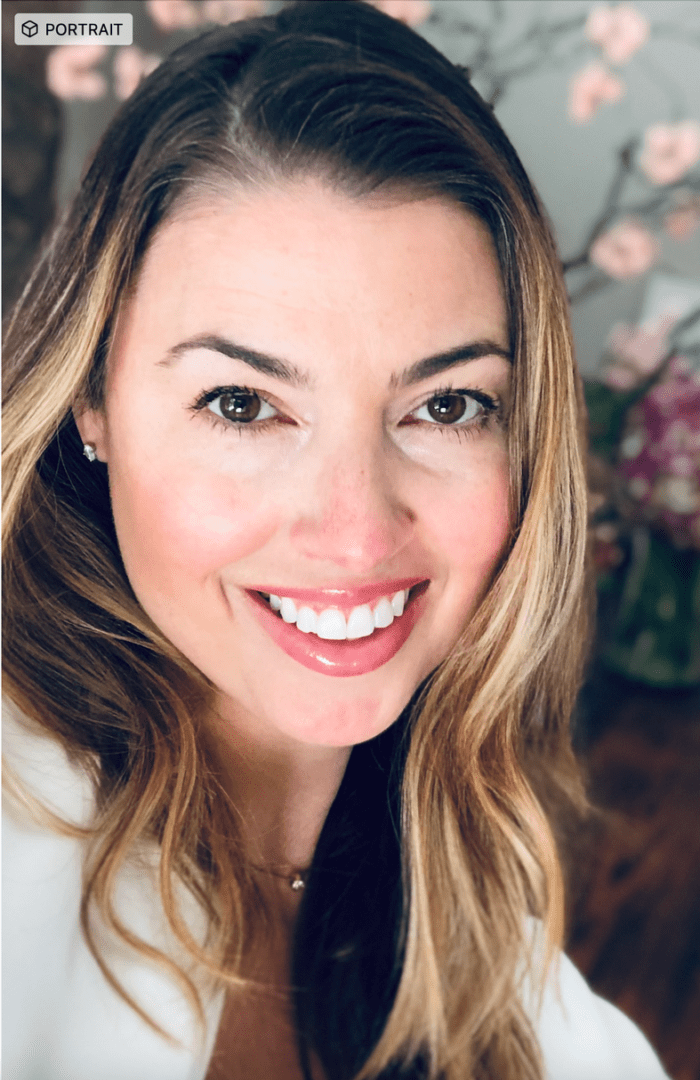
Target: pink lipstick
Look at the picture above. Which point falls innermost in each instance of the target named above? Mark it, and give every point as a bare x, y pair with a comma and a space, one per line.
349, 656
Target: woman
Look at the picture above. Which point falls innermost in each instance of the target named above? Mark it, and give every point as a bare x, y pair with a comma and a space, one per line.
295, 607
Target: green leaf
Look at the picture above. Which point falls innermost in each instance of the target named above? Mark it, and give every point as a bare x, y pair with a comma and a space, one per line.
655, 637
607, 412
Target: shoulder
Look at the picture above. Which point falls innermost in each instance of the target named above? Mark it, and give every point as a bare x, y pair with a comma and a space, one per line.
41, 883
582, 1036
62, 1018
42, 862
39, 779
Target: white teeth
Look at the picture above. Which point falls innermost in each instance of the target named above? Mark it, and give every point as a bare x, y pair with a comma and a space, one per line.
331, 625
307, 621
360, 622
397, 602
288, 609
383, 613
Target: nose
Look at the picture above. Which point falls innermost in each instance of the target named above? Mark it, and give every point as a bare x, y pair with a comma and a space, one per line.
348, 509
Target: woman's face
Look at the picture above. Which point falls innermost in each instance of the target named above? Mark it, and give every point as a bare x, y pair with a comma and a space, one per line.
305, 401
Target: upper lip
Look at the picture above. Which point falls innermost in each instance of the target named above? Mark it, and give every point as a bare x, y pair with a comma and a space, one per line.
342, 596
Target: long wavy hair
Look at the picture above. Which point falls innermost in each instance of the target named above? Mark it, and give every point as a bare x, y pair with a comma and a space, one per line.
412, 964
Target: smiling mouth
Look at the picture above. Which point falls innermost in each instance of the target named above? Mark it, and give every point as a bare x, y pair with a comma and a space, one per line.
332, 624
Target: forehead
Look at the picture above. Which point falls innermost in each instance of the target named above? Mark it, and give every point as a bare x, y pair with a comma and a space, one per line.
305, 261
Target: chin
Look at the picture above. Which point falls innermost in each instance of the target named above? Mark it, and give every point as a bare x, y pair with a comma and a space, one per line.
346, 725
320, 719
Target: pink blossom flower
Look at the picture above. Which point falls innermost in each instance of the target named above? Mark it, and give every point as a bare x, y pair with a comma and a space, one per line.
131, 64
683, 220
620, 377
70, 71
173, 14
640, 349
670, 150
590, 88
636, 352
619, 30
228, 11
625, 251
411, 12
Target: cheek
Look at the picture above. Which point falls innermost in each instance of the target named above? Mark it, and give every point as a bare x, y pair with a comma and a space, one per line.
171, 531
471, 526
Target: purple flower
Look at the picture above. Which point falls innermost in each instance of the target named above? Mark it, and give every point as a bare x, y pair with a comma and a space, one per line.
660, 454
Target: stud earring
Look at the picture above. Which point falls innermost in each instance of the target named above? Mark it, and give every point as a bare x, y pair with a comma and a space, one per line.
89, 451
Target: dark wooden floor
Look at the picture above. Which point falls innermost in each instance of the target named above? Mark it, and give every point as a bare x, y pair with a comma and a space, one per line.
635, 929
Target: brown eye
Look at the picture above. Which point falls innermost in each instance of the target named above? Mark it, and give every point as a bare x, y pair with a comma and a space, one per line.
239, 406
447, 408
242, 406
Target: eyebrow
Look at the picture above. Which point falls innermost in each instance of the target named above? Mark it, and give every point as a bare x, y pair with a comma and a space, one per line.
433, 365
294, 376
268, 365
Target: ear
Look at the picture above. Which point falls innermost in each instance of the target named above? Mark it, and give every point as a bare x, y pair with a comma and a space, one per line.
92, 427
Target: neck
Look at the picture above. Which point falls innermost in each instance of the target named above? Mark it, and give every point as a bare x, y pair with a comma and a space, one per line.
282, 788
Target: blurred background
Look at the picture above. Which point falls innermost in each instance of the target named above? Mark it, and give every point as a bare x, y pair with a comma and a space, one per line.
602, 101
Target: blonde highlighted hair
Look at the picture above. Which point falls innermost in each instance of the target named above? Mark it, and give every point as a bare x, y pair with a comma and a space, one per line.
481, 759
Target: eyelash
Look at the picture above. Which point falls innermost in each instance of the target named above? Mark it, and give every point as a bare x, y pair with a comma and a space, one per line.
490, 404
252, 427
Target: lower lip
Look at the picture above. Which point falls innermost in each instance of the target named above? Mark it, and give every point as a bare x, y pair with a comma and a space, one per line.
340, 658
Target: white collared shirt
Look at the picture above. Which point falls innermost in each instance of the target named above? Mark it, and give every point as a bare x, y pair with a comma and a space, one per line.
63, 1021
